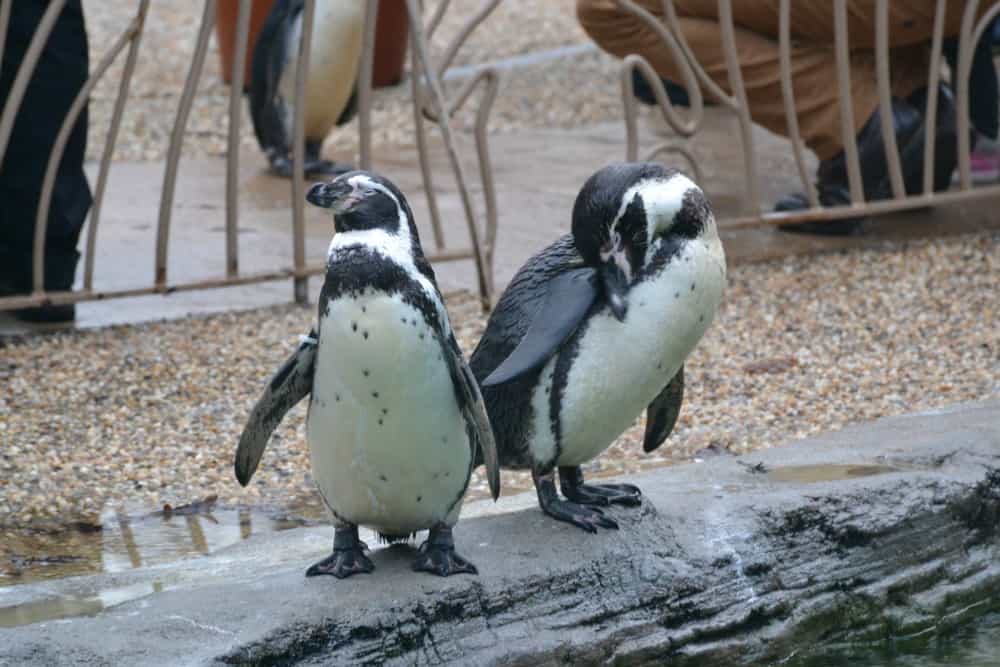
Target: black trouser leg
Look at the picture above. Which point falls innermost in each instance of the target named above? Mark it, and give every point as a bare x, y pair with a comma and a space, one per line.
59, 75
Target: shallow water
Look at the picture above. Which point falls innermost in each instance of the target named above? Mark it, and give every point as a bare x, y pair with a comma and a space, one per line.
974, 645
123, 542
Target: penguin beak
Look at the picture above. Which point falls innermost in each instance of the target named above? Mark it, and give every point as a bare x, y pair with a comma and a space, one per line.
333, 195
615, 288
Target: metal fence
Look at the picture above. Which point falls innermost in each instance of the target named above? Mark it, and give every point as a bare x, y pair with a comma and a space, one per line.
696, 80
429, 104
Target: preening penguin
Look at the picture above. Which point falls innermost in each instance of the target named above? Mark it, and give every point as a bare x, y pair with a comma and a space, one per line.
596, 327
396, 421
330, 83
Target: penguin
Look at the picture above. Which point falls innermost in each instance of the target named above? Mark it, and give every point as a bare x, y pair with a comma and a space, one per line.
595, 328
331, 83
396, 419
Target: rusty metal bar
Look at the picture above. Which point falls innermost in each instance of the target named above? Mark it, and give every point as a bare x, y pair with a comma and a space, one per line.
491, 77
788, 94
233, 147
139, 23
847, 130
964, 65
965, 49
365, 68
56, 154
863, 209
177, 141
740, 95
452, 49
422, 151
441, 108
885, 99
436, 17
930, 113
25, 301
301, 287
5, 6
24, 72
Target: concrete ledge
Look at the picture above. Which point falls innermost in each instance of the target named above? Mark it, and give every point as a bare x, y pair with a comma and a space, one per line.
885, 528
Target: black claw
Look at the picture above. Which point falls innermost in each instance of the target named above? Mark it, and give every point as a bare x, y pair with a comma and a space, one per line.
572, 487
348, 556
581, 516
437, 555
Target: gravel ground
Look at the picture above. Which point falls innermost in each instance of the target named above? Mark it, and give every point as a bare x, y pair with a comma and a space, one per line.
139, 416
561, 93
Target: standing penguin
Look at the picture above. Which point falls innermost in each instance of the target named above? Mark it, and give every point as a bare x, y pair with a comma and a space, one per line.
596, 327
330, 83
395, 420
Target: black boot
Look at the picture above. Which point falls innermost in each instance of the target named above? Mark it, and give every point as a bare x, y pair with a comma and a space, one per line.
832, 185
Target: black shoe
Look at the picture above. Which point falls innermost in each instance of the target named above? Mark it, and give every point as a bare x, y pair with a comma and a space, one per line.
46, 314
60, 313
908, 122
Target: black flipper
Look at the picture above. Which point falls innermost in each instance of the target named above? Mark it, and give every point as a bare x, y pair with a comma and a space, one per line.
568, 298
292, 383
350, 109
269, 111
662, 413
477, 421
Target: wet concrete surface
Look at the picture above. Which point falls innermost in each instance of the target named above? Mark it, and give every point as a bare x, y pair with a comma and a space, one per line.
878, 528
537, 172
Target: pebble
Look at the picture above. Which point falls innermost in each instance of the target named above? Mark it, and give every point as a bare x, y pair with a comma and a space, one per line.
904, 327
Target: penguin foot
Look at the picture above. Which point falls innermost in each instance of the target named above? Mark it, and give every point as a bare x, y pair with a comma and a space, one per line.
587, 518
573, 488
281, 166
437, 555
348, 557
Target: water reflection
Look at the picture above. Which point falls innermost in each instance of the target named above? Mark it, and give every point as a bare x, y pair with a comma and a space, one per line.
127, 542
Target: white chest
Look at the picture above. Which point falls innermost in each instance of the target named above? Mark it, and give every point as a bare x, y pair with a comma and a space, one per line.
386, 438
620, 367
335, 51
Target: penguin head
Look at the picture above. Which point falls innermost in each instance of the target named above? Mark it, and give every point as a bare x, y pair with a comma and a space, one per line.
626, 210
361, 200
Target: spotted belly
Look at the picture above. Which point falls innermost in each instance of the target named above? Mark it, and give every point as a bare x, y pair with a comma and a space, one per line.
610, 372
387, 440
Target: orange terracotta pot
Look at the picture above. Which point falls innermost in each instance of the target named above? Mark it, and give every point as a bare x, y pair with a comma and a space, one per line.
391, 34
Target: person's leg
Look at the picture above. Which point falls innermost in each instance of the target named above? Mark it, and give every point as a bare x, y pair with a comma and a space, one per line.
60, 73
813, 68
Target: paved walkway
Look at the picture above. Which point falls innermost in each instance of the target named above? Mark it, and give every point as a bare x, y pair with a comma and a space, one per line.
538, 174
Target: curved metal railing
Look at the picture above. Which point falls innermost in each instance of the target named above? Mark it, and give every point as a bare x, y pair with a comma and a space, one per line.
429, 102
695, 79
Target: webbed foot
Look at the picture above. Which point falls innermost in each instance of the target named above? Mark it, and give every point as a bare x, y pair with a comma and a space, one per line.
437, 555
281, 166
572, 487
587, 518
348, 557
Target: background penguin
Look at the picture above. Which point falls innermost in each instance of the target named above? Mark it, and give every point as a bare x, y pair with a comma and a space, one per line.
596, 327
395, 417
330, 84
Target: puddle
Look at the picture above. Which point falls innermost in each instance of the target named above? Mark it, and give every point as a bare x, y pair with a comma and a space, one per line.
129, 542
826, 472
66, 607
